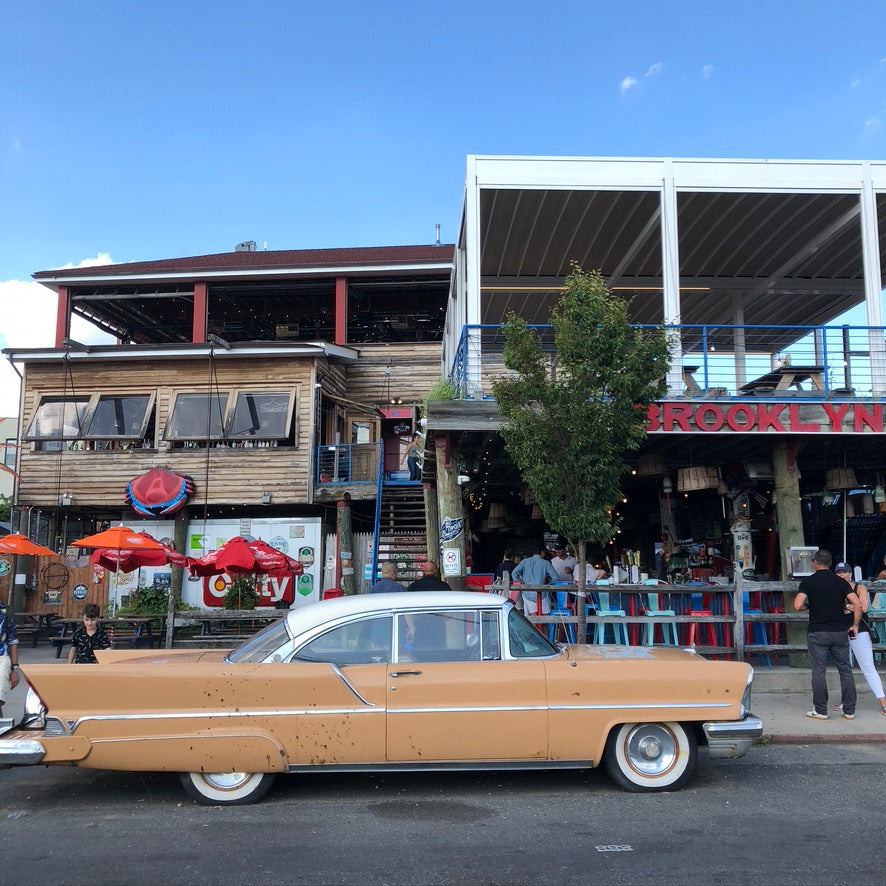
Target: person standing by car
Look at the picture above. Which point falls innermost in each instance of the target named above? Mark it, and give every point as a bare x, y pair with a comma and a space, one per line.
535, 570
827, 598
387, 583
862, 644
8, 654
87, 638
430, 579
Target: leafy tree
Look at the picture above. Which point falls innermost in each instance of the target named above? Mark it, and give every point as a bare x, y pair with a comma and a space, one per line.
5, 508
567, 423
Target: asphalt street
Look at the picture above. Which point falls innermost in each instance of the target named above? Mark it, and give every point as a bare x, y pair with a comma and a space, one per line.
782, 815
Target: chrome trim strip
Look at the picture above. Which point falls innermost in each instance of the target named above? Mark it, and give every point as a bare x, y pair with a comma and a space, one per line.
694, 706
223, 715
443, 766
337, 671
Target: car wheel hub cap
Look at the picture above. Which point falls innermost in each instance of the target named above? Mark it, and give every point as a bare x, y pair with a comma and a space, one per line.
225, 781
651, 750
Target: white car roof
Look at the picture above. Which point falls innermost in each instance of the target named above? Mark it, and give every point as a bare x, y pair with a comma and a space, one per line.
306, 617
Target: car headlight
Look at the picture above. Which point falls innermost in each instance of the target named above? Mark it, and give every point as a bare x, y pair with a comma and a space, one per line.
35, 711
746, 696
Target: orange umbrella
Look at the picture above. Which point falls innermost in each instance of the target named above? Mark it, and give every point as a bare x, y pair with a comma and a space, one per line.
121, 539
21, 544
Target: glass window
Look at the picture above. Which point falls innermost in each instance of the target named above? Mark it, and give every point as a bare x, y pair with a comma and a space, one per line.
263, 644
119, 416
9, 453
438, 636
366, 641
197, 416
58, 418
263, 416
524, 639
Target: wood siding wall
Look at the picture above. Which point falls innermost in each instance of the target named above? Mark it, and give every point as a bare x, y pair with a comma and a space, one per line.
236, 476
414, 368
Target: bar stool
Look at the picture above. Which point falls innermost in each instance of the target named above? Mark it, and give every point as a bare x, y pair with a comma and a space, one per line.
697, 610
562, 608
652, 611
619, 628
756, 629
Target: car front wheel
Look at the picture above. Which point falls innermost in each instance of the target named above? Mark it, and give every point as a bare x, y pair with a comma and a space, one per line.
647, 757
226, 788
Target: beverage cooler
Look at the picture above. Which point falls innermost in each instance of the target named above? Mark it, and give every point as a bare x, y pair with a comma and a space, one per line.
300, 538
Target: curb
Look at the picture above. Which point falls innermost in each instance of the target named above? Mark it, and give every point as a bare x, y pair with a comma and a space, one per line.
845, 738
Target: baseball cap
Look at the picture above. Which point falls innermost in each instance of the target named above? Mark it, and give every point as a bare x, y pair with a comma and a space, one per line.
842, 567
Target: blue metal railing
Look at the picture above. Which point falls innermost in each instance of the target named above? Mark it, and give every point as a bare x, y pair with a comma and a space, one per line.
818, 362
379, 486
348, 463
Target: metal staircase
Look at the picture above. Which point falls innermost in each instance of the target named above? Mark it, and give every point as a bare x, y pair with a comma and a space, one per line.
400, 530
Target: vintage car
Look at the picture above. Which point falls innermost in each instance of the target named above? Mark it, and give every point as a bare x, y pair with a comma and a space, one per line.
387, 682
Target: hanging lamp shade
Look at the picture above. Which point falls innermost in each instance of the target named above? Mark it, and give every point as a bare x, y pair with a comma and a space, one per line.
651, 466
840, 478
691, 479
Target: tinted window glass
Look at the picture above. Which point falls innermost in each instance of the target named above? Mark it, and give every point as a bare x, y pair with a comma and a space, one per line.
197, 416
58, 418
439, 636
119, 416
367, 641
524, 640
265, 416
266, 642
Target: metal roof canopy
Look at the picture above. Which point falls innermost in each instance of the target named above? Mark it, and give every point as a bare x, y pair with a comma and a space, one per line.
756, 242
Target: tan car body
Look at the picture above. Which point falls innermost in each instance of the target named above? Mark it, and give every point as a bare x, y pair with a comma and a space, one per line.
195, 712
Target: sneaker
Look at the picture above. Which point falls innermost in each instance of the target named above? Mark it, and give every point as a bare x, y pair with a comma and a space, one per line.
848, 716
814, 715
837, 707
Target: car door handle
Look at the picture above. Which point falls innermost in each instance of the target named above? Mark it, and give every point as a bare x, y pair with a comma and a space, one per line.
405, 673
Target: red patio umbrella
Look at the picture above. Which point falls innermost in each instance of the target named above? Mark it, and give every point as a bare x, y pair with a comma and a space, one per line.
22, 545
243, 556
128, 560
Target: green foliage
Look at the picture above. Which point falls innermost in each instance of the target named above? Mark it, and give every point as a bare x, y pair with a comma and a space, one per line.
568, 426
5, 508
442, 389
146, 601
241, 594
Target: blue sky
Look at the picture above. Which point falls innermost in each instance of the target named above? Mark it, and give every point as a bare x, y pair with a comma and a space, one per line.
133, 131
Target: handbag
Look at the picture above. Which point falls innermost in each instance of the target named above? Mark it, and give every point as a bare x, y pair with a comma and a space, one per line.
871, 628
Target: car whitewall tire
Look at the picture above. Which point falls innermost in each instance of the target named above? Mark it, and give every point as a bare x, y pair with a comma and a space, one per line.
647, 757
226, 788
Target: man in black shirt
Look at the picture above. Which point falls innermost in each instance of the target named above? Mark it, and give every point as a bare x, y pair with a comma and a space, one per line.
828, 598
430, 580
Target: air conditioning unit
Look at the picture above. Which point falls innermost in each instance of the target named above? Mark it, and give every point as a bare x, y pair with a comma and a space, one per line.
287, 330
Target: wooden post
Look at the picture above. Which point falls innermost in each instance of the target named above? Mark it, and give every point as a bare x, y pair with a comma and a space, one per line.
738, 609
452, 522
790, 533
180, 543
432, 522
346, 546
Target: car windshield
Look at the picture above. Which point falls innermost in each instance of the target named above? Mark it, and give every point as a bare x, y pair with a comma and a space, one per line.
524, 639
261, 645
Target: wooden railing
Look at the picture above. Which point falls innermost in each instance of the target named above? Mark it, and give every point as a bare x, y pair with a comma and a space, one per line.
729, 617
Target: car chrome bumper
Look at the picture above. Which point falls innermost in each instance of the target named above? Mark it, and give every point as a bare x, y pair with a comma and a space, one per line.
20, 752
732, 739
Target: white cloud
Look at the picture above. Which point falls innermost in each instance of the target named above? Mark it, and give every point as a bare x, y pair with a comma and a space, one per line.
655, 70
855, 83
707, 71
626, 84
101, 259
871, 126
29, 311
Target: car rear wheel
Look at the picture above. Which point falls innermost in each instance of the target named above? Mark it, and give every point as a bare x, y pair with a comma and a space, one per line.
226, 788
648, 757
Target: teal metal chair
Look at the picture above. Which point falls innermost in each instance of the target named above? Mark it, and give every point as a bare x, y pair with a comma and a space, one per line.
653, 611
561, 607
600, 603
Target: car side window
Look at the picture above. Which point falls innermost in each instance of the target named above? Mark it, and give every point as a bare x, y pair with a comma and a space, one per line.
364, 641
524, 641
439, 636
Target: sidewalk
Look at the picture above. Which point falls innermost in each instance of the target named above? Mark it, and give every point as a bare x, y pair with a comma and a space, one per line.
780, 698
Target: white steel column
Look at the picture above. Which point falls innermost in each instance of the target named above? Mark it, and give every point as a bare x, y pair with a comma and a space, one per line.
870, 250
670, 255
473, 357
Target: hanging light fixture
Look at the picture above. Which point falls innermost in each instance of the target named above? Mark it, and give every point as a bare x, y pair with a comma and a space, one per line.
840, 478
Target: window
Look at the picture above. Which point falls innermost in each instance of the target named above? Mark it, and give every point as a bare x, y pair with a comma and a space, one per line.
9, 453
365, 641
119, 416
93, 421
58, 418
524, 640
197, 416
439, 636
266, 642
261, 416
240, 417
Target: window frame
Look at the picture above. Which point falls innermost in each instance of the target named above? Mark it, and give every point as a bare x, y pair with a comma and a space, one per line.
146, 415
234, 402
223, 398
